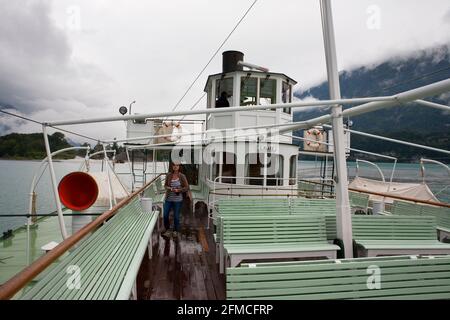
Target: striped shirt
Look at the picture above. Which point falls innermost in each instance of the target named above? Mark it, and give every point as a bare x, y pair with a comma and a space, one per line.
172, 196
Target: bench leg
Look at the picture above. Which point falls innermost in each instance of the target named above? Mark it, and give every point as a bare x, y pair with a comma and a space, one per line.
134, 291
217, 253
150, 248
221, 260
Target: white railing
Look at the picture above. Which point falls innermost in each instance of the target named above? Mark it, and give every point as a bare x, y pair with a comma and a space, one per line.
232, 187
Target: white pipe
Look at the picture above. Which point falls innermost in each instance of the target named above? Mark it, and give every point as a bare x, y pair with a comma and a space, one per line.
373, 164
110, 190
404, 97
213, 140
343, 211
210, 131
118, 179
252, 66
392, 176
100, 152
422, 160
33, 181
433, 105
54, 184
347, 148
131, 169
370, 135
297, 104
436, 162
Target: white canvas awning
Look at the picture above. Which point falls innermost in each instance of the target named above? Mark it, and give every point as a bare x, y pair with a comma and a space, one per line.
419, 191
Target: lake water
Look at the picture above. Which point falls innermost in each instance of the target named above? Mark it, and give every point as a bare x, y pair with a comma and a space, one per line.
16, 176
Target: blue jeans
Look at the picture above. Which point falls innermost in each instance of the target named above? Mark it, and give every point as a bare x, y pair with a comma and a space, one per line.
176, 214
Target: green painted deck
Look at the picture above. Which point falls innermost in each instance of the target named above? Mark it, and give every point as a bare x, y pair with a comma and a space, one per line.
13, 251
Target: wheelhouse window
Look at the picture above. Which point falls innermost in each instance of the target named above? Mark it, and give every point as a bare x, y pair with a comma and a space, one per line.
248, 91
267, 91
274, 170
292, 170
254, 168
225, 167
224, 85
286, 90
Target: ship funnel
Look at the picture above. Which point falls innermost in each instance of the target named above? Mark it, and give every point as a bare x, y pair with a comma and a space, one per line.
230, 61
78, 191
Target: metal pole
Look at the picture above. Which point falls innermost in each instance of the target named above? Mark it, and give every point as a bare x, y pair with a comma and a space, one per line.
403, 97
433, 105
372, 164
54, 184
297, 104
396, 141
343, 217
112, 198
422, 160
131, 169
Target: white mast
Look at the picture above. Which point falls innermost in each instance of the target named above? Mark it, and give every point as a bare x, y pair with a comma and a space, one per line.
343, 217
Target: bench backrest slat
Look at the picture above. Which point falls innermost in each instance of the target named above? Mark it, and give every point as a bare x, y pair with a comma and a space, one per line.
401, 277
442, 214
103, 259
273, 229
394, 227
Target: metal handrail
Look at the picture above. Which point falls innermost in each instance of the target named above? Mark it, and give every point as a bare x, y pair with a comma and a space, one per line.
387, 195
372, 164
262, 187
422, 167
13, 285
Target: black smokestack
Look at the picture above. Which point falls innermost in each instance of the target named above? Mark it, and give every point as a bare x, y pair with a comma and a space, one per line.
230, 61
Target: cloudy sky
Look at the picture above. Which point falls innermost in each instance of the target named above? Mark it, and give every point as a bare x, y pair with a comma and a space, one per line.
65, 59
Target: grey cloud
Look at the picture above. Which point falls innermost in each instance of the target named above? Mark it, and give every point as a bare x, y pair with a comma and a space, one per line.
37, 67
446, 17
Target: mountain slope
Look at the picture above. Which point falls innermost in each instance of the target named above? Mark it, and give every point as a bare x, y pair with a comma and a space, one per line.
387, 78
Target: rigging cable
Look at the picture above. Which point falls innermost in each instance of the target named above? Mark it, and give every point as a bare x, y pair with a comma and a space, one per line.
212, 57
41, 123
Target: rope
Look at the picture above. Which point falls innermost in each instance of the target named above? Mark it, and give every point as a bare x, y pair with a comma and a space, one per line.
212, 57
41, 123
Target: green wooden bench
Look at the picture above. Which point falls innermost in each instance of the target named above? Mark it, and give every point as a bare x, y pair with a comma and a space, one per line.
272, 237
244, 207
108, 260
400, 278
406, 208
314, 205
359, 200
296, 206
307, 189
392, 235
252, 205
441, 214
326, 207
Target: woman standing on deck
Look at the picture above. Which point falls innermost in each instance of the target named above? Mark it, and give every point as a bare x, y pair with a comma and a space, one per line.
176, 184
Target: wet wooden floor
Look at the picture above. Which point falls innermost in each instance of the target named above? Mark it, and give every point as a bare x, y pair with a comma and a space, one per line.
185, 268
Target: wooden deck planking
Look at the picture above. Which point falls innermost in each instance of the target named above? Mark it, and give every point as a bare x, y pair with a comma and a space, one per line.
183, 268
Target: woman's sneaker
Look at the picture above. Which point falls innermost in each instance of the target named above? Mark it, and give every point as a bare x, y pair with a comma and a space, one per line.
167, 234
